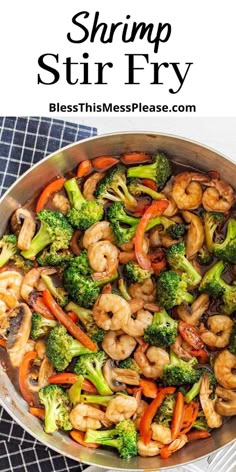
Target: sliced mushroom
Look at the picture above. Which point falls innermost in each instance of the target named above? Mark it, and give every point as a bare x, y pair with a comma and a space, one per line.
46, 370
108, 372
195, 236
26, 229
126, 376
225, 405
20, 326
61, 203
192, 314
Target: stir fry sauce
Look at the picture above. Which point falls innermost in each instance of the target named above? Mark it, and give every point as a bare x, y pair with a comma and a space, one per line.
118, 302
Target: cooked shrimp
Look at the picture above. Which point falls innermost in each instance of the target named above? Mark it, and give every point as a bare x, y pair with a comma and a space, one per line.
218, 332
214, 420
61, 203
84, 417
172, 208
11, 281
117, 306
142, 406
120, 408
151, 360
148, 450
192, 314
219, 196
224, 367
146, 291
135, 304
178, 443
187, 191
181, 349
195, 235
100, 231
160, 433
90, 185
135, 327
118, 345
32, 279
103, 258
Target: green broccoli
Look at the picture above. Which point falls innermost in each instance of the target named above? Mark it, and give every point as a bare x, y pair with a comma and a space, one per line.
83, 289
232, 341
58, 293
159, 170
163, 330
195, 389
201, 423
123, 437
204, 257
137, 188
85, 316
175, 230
90, 367
213, 284
57, 408
130, 363
40, 326
226, 249
83, 213
165, 412
54, 231
176, 258
134, 273
172, 290
62, 348
113, 187
81, 262
51, 257
179, 372
8, 245
123, 290
123, 225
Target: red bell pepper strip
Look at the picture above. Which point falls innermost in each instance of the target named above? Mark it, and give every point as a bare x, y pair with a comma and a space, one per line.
84, 168
70, 378
51, 188
3, 343
190, 416
149, 183
78, 436
135, 158
149, 388
150, 412
158, 260
178, 415
38, 412
73, 329
24, 371
190, 335
201, 354
193, 435
156, 209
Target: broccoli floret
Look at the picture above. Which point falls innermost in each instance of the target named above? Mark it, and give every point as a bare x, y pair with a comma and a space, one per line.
176, 230
130, 363
201, 423
83, 289
58, 293
85, 316
8, 246
232, 341
137, 188
175, 255
83, 213
172, 290
211, 220
159, 170
62, 348
165, 412
123, 225
134, 273
81, 262
113, 187
57, 408
123, 437
226, 250
195, 389
204, 257
55, 258
213, 284
54, 231
40, 326
90, 367
162, 331
179, 372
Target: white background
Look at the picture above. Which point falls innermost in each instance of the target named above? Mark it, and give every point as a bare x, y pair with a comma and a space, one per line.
203, 32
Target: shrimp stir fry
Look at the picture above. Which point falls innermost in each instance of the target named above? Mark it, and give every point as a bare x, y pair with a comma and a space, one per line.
124, 298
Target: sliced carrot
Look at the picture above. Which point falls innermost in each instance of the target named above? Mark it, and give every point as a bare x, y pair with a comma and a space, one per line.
178, 416
135, 158
37, 304
51, 188
69, 378
190, 416
84, 168
38, 412
23, 374
72, 316
149, 183
198, 435
60, 315
104, 162
3, 343
78, 436
149, 388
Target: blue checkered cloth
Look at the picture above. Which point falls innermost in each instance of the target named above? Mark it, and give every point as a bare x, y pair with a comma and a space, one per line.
23, 142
